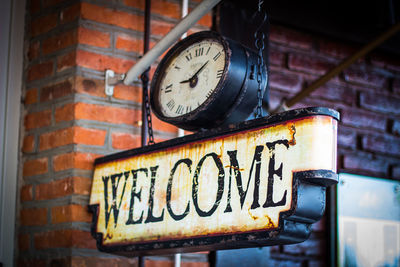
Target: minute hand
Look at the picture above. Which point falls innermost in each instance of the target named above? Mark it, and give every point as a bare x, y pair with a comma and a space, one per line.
201, 68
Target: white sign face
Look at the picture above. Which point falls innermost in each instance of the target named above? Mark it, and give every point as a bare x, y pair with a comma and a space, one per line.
229, 184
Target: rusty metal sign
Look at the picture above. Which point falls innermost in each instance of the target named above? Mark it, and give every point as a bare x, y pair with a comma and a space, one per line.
258, 183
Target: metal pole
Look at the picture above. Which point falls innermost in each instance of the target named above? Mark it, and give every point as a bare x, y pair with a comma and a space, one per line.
343, 65
169, 39
145, 83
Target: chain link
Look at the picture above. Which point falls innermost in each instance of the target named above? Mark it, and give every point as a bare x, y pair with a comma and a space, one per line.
259, 37
145, 81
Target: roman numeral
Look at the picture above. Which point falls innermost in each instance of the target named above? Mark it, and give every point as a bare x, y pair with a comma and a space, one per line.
219, 73
199, 52
179, 109
188, 109
171, 104
176, 67
217, 56
189, 57
209, 93
168, 89
208, 50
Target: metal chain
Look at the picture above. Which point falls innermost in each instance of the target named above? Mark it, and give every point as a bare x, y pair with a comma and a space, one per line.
145, 80
259, 37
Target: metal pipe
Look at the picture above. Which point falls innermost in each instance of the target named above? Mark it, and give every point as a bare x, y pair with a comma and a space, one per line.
169, 39
343, 65
145, 85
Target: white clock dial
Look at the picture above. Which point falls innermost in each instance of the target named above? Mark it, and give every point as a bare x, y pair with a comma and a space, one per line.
191, 77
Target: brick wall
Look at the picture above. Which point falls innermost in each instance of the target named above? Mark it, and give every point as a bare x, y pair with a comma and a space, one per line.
368, 97
69, 121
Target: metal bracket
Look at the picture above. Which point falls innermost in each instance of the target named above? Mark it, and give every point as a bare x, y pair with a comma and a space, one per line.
112, 79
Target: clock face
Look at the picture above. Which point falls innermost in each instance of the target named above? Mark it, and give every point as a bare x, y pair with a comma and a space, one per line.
190, 77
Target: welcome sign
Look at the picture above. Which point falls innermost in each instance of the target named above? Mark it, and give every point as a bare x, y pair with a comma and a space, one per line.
259, 183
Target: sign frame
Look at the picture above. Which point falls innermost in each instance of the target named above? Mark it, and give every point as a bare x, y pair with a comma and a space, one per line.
308, 198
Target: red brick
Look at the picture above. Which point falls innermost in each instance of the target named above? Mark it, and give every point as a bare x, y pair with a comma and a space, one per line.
106, 114
103, 262
276, 57
366, 77
382, 144
163, 126
365, 164
70, 213
289, 37
64, 187
86, 136
160, 27
34, 6
35, 167
361, 118
66, 61
56, 138
28, 144
64, 113
71, 13
158, 263
49, 3
64, 239
40, 70
37, 119
34, 216
112, 17
308, 64
26, 193
74, 160
129, 44
34, 50
380, 103
347, 137
161, 7
31, 96
31, 262
125, 140
56, 90
124, 92
90, 86
335, 92
43, 24
285, 81
206, 21
386, 61
336, 49
94, 38
23, 242
60, 41
102, 62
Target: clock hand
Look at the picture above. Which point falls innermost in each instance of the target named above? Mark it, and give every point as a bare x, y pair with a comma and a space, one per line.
191, 80
201, 68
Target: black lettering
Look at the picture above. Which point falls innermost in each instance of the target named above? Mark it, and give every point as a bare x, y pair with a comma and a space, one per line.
189, 57
217, 56
150, 216
171, 104
168, 89
134, 195
199, 52
179, 109
234, 165
219, 73
195, 186
114, 188
174, 216
269, 202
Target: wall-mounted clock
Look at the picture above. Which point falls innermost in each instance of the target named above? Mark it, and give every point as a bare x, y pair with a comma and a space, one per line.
205, 81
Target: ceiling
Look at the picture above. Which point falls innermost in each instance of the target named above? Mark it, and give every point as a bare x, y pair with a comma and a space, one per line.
357, 21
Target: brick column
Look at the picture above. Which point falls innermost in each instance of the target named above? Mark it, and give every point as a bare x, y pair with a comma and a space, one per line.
68, 120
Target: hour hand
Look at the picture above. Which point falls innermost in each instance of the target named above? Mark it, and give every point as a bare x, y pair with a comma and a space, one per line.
186, 81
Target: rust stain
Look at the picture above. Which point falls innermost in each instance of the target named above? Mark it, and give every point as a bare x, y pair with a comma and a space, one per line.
292, 130
235, 168
251, 215
270, 223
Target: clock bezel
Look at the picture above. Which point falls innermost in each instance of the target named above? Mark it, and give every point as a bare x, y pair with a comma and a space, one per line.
200, 116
